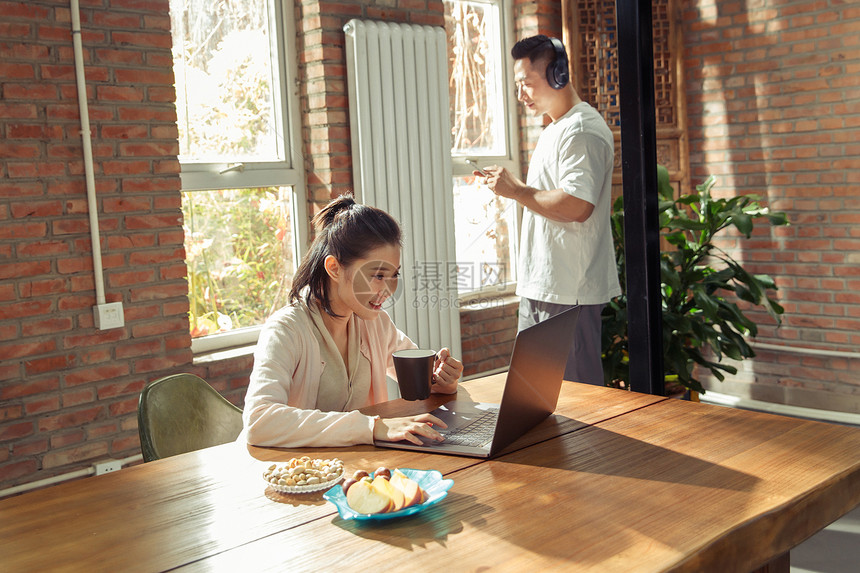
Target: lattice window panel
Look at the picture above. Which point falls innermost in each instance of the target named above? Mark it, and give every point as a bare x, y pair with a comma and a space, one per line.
591, 32
596, 52
595, 58
664, 78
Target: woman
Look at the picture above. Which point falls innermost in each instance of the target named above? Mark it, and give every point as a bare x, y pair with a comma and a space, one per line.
327, 354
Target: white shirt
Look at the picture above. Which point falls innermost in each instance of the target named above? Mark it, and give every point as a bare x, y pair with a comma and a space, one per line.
571, 263
343, 386
281, 403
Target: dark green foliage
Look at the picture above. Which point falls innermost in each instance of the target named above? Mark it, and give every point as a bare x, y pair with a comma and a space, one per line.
700, 281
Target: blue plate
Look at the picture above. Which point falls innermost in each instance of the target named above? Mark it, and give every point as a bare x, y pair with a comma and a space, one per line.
430, 481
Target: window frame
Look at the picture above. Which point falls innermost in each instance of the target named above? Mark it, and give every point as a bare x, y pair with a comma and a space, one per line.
197, 176
511, 159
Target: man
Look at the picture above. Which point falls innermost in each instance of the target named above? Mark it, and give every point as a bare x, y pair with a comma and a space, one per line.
566, 254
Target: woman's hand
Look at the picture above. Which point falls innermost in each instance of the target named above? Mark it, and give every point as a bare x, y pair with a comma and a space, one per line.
446, 372
408, 428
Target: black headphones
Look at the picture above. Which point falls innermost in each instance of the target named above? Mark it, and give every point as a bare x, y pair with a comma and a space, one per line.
557, 73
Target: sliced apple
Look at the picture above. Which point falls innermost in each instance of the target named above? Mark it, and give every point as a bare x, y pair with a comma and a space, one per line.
384, 487
409, 489
364, 498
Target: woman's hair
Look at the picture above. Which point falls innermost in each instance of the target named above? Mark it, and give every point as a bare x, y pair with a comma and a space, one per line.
347, 231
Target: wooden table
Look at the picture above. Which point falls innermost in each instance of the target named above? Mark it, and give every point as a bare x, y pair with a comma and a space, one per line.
614, 481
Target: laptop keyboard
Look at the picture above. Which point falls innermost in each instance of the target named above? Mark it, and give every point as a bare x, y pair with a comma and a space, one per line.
477, 433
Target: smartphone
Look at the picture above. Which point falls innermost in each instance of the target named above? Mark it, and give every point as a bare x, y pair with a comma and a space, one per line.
478, 169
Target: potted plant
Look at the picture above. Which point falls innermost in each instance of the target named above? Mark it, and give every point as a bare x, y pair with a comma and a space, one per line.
700, 284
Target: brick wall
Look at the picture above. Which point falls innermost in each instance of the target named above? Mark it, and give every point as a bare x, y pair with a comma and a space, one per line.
488, 328
773, 95
69, 392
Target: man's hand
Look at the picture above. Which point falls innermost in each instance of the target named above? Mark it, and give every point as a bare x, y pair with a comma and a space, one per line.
502, 182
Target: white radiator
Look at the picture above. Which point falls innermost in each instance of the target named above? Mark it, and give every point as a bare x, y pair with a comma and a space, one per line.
401, 156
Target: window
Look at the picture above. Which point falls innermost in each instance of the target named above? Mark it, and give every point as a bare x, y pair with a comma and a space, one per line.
240, 182
482, 120
239, 254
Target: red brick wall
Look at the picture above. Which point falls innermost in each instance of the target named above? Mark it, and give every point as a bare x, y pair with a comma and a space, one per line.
69, 392
773, 95
488, 328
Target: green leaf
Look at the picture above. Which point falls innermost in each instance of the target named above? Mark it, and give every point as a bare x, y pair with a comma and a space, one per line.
765, 281
688, 224
743, 223
700, 284
777, 219
705, 187
664, 185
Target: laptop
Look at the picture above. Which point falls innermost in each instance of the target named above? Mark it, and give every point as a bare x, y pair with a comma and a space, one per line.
532, 387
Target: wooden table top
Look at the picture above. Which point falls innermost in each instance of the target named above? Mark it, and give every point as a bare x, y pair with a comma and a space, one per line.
614, 481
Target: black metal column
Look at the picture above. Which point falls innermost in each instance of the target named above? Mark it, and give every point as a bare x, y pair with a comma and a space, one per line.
639, 170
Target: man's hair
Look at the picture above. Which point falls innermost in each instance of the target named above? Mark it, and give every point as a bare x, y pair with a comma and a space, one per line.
536, 48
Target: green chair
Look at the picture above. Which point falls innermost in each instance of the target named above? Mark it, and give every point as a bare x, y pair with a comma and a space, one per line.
182, 413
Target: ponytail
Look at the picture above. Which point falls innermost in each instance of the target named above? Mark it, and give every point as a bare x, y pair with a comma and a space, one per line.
348, 231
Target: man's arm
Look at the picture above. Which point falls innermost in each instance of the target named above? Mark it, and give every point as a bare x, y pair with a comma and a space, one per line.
553, 204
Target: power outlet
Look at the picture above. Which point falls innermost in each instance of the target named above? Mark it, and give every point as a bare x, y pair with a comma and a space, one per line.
107, 466
109, 315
